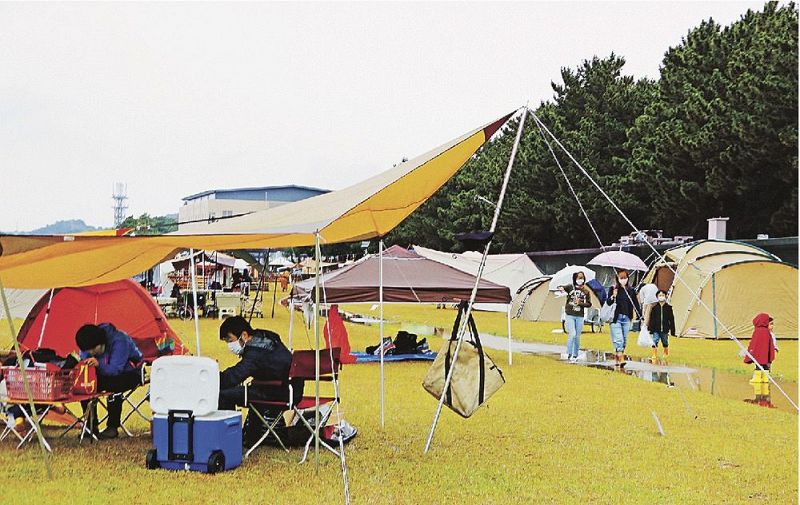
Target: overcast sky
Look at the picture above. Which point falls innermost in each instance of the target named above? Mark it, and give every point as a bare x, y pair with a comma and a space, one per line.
173, 99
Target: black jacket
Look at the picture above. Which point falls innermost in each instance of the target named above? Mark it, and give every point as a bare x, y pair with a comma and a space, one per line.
661, 319
626, 304
264, 358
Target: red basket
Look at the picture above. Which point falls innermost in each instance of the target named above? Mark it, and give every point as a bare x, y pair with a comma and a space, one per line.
46, 385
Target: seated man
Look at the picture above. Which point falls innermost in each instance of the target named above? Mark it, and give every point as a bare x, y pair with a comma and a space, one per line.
116, 357
263, 358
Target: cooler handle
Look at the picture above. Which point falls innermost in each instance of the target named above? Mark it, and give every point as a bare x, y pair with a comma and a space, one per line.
180, 416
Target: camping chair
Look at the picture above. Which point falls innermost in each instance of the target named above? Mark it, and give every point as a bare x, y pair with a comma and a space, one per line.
303, 369
126, 398
7, 430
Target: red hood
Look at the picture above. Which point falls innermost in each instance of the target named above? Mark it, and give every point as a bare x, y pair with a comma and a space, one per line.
761, 320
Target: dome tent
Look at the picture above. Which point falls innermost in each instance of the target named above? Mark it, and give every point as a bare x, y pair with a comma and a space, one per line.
735, 281
125, 304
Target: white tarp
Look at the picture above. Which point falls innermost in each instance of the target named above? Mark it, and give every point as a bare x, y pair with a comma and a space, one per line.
21, 301
511, 270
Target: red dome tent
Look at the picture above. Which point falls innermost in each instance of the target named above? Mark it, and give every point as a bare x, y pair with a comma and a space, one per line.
125, 304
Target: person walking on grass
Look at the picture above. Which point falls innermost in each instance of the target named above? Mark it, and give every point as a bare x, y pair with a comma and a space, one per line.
626, 302
661, 324
574, 309
761, 351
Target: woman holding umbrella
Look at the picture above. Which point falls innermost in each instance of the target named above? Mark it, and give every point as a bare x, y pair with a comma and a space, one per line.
626, 302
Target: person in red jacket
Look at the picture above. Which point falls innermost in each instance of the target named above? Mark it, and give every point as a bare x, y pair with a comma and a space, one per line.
762, 350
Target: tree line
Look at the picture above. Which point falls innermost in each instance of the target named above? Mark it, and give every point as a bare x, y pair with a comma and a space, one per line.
714, 135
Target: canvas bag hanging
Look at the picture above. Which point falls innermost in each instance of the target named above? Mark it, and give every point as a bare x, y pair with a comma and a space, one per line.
475, 376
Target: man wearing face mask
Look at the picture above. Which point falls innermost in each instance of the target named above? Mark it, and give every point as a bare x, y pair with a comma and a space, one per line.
118, 362
263, 357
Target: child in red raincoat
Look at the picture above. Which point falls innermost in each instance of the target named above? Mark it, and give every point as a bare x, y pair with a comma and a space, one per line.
762, 349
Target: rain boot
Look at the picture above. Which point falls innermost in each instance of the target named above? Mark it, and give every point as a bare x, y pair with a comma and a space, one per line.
765, 386
755, 381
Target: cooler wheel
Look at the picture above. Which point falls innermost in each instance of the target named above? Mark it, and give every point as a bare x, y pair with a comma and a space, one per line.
216, 462
151, 460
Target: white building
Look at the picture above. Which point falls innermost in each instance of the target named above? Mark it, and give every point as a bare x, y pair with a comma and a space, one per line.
221, 203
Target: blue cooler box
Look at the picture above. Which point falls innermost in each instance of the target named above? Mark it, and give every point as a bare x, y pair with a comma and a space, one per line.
210, 443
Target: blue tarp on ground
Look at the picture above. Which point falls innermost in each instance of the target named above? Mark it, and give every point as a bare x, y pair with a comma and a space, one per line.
362, 357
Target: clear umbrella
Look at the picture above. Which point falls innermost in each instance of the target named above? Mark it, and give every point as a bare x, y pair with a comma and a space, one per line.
564, 276
619, 260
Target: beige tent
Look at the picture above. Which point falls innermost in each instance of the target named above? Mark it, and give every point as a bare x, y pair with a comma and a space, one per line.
735, 281
510, 270
535, 302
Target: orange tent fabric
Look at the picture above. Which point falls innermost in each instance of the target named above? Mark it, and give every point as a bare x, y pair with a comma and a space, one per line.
125, 304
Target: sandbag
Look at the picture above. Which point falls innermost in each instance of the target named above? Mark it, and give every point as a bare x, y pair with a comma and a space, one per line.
475, 376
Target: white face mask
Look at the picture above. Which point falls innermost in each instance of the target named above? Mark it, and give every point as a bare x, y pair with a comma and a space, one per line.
579, 282
662, 299
235, 347
623, 282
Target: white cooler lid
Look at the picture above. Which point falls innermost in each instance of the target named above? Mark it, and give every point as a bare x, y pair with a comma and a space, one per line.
184, 383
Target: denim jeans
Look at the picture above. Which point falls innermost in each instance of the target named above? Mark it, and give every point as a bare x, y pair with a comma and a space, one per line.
663, 336
574, 326
619, 332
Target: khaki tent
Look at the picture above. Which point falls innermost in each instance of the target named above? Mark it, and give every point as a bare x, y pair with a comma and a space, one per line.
735, 281
534, 301
511, 270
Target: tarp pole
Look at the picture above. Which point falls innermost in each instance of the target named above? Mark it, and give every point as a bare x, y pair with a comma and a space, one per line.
508, 312
291, 318
317, 254
714, 302
474, 293
194, 297
380, 301
25, 382
46, 315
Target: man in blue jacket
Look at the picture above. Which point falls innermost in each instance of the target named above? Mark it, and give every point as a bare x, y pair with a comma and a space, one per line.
117, 359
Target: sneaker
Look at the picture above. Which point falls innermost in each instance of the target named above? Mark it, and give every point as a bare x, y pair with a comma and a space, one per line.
108, 434
573, 359
387, 345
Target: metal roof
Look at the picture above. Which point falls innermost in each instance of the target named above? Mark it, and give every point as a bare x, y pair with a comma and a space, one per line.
256, 188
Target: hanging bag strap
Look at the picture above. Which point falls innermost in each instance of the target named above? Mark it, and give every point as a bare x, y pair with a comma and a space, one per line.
481, 356
447, 357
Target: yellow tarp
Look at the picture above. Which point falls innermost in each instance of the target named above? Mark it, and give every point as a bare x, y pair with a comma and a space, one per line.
365, 210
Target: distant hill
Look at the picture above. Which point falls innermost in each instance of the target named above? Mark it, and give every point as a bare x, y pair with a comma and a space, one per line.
61, 228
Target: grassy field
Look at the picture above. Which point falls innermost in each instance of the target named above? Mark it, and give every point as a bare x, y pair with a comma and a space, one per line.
553, 434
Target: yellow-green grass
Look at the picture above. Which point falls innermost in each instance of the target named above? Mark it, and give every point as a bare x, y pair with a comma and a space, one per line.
719, 354
553, 434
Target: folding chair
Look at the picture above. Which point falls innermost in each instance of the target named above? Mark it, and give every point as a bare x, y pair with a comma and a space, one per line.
303, 370
126, 398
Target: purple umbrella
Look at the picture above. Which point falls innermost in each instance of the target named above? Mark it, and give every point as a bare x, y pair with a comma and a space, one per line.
619, 260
